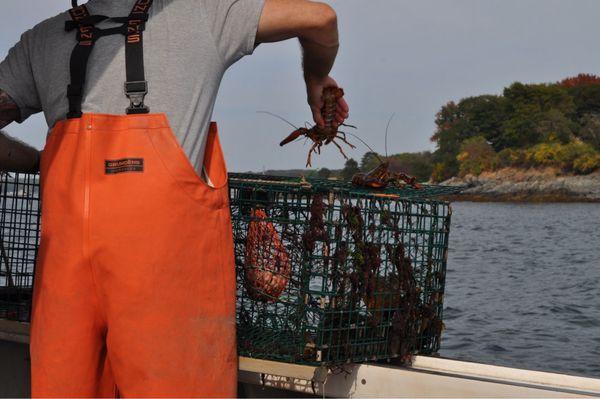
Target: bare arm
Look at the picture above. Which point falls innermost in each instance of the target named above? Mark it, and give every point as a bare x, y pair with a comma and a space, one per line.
15, 156
315, 25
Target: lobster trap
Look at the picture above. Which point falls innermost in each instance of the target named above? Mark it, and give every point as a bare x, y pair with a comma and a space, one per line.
19, 239
329, 273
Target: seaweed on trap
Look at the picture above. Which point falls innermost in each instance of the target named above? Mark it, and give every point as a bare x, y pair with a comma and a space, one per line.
392, 300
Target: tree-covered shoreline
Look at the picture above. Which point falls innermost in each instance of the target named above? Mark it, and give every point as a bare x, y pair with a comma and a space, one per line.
529, 125
552, 125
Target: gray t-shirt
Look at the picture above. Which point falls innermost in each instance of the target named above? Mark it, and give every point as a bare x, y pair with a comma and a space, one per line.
188, 45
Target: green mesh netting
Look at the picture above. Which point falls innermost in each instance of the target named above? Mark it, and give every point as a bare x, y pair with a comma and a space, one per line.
256, 181
328, 273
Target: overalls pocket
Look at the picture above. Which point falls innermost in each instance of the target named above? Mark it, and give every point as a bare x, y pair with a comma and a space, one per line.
175, 161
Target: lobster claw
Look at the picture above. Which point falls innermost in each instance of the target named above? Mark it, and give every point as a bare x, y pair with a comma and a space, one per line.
295, 134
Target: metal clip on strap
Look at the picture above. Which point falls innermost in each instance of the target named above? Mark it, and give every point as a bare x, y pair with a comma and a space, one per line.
136, 92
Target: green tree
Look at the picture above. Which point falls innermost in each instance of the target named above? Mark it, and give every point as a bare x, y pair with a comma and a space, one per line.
324, 173
369, 161
476, 156
449, 121
484, 116
553, 125
350, 169
474, 116
590, 130
586, 99
510, 129
531, 105
419, 165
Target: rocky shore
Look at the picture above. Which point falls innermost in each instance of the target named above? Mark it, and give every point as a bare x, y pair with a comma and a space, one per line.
531, 185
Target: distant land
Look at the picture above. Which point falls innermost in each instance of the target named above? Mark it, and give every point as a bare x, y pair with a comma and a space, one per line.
535, 142
533, 185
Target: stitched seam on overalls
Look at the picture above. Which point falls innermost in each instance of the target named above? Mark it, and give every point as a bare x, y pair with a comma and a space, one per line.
178, 183
191, 167
87, 236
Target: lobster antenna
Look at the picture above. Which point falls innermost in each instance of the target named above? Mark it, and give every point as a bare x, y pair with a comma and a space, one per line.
278, 117
386, 133
365, 144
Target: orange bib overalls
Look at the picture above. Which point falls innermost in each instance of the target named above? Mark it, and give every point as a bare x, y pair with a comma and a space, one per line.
135, 284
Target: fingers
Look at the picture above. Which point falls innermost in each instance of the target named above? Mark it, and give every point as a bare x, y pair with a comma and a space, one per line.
317, 117
342, 114
342, 111
315, 101
340, 117
343, 105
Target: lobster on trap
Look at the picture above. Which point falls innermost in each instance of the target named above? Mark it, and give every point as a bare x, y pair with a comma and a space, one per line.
330, 273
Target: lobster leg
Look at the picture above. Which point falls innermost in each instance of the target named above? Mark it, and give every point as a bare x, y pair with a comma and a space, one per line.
342, 136
312, 149
340, 148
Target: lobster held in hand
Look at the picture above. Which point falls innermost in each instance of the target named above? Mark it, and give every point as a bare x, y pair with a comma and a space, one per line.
323, 135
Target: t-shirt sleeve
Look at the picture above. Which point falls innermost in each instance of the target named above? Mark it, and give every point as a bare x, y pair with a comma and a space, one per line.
16, 78
234, 26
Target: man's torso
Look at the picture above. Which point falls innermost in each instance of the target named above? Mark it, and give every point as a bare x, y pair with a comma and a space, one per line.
186, 54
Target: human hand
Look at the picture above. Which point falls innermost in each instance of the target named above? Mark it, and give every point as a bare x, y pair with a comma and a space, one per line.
314, 89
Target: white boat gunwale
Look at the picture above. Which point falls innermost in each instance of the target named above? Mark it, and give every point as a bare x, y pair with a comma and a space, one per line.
427, 377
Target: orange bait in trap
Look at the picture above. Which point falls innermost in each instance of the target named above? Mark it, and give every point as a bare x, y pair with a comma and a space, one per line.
267, 267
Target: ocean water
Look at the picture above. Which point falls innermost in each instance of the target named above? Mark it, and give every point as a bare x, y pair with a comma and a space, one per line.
523, 286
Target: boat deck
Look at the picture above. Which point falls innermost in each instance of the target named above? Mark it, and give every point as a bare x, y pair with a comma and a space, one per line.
428, 377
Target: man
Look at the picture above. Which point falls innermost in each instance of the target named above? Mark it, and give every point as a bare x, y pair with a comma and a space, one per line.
135, 284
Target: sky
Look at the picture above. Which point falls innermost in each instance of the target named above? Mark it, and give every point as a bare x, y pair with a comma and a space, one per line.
407, 57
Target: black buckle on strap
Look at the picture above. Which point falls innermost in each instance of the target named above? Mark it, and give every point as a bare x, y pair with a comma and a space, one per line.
137, 16
91, 20
136, 92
